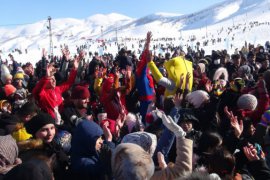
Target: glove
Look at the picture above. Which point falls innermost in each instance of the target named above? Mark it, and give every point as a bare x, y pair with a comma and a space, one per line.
172, 126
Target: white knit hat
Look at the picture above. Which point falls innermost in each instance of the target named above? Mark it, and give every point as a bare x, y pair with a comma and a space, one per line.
130, 121
247, 101
197, 98
5, 74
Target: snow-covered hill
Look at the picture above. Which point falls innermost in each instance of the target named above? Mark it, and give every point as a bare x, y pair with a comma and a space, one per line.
225, 25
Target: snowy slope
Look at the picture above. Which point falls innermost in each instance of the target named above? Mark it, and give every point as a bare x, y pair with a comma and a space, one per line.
232, 21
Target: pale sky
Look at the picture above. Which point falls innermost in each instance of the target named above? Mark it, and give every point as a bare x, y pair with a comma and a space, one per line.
15, 12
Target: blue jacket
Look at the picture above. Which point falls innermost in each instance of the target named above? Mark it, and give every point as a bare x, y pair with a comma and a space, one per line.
85, 160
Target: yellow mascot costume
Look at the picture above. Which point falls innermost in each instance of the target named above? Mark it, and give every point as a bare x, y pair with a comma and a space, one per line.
174, 67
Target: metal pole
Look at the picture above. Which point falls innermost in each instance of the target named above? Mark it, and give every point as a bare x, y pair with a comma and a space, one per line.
50, 34
116, 35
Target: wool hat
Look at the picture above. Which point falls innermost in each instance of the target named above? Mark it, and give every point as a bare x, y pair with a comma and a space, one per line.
130, 121
197, 98
244, 69
147, 141
8, 149
9, 89
38, 122
19, 75
131, 160
80, 92
247, 102
5, 73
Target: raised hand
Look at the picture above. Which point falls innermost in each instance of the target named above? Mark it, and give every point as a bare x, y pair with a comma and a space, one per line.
76, 63
172, 126
117, 73
107, 132
128, 72
208, 86
182, 77
81, 54
251, 153
161, 161
237, 126
66, 54
178, 99
188, 76
148, 39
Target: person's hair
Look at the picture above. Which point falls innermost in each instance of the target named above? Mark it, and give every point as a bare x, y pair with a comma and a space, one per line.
235, 56
208, 142
168, 104
29, 108
221, 162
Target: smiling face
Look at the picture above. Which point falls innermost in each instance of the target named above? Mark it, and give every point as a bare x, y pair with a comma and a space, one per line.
46, 133
52, 83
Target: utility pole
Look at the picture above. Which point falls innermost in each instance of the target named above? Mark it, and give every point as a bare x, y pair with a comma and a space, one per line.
116, 35
50, 34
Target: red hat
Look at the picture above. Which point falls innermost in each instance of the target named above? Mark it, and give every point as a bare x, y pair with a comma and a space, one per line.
80, 92
9, 89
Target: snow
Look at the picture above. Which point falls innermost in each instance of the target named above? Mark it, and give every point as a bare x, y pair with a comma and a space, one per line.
232, 21
227, 11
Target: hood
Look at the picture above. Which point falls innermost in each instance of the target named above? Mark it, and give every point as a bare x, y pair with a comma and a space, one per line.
84, 138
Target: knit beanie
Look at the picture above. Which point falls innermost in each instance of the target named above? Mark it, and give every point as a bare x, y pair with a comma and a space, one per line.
38, 122
80, 92
9, 89
147, 141
8, 149
130, 160
247, 102
5, 73
197, 98
19, 75
130, 121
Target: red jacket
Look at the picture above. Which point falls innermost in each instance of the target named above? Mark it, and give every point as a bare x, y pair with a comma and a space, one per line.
48, 99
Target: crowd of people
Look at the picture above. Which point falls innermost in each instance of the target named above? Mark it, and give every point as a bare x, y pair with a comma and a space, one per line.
129, 117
